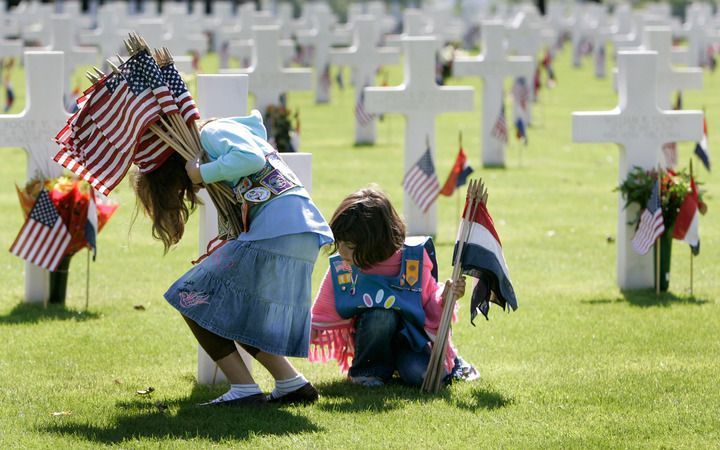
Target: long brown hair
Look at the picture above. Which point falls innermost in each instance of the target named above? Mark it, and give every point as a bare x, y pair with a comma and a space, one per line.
167, 196
367, 219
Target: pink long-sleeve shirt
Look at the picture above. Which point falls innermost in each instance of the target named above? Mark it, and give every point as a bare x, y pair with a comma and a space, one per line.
333, 337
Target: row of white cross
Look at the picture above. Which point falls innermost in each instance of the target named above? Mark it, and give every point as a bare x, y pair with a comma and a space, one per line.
640, 124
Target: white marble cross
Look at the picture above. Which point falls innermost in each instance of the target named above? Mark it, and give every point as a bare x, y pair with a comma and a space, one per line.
420, 99
63, 40
414, 24
669, 78
34, 130
11, 48
493, 66
640, 128
321, 38
365, 57
268, 79
107, 36
227, 96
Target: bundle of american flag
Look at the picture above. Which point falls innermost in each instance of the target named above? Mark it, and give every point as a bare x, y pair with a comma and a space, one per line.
139, 113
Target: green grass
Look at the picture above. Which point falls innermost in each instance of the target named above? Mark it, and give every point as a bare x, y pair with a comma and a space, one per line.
580, 364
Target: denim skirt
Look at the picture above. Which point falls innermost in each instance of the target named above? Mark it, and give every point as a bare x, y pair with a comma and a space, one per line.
254, 292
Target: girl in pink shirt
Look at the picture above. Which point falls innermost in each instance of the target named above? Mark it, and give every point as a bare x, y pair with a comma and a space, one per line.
379, 305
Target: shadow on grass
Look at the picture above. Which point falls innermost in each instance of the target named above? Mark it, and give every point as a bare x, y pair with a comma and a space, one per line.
25, 313
156, 418
345, 397
646, 298
483, 398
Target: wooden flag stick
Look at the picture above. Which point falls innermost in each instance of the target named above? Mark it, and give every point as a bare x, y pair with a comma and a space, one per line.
87, 282
692, 255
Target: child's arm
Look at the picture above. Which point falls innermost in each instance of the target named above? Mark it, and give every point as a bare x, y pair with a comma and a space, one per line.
235, 150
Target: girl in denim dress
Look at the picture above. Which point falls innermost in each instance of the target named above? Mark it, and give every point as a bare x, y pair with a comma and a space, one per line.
254, 290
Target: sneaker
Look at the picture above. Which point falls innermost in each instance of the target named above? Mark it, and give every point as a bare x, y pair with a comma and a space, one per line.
255, 399
367, 381
463, 371
305, 394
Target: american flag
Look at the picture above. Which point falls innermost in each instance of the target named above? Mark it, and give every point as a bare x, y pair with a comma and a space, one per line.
521, 92
179, 90
651, 223
112, 125
499, 130
362, 116
44, 237
421, 182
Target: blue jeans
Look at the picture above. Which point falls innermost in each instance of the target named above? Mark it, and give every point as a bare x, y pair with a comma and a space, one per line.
380, 350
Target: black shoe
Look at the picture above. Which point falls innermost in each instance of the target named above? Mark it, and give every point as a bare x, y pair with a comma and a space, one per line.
255, 399
305, 394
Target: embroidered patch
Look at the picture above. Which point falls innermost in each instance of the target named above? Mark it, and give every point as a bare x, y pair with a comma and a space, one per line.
190, 299
412, 268
276, 182
387, 303
242, 186
257, 195
344, 278
341, 266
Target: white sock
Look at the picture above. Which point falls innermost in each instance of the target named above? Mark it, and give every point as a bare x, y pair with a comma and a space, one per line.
239, 391
283, 387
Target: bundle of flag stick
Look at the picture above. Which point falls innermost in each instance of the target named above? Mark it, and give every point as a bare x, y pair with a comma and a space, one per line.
140, 113
476, 195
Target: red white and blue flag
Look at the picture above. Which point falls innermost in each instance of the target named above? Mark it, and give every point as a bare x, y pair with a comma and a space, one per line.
421, 182
499, 130
44, 237
459, 173
702, 149
483, 258
651, 223
363, 117
688, 219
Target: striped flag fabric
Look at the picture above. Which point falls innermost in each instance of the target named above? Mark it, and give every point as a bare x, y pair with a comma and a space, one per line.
459, 173
521, 93
688, 219
702, 149
483, 258
185, 103
44, 237
499, 130
363, 117
651, 223
421, 182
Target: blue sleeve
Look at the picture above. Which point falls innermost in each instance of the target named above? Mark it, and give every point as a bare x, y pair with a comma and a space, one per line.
234, 152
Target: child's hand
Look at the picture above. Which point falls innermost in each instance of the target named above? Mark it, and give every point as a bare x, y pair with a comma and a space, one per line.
458, 289
192, 168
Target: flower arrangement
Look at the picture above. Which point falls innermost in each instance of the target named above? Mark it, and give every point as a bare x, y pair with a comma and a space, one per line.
674, 187
71, 197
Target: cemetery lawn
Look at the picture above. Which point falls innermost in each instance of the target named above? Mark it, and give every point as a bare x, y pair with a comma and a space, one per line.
580, 363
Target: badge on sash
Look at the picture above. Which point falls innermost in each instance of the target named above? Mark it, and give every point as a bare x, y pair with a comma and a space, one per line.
342, 266
412, 269
344, 278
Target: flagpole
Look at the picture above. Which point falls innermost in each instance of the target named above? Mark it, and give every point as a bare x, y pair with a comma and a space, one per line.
691, 249
87, 281
657, 266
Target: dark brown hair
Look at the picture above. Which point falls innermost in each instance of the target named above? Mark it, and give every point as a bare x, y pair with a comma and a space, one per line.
166, 195
367, 220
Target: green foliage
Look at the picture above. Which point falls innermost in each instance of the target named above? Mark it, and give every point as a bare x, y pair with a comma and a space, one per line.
674, 187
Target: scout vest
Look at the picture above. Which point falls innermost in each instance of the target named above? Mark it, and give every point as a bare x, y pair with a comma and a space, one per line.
356, 291
273, 180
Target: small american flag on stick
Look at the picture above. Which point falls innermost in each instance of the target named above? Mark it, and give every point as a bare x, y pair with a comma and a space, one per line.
421, 182
651, 223
44, 237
